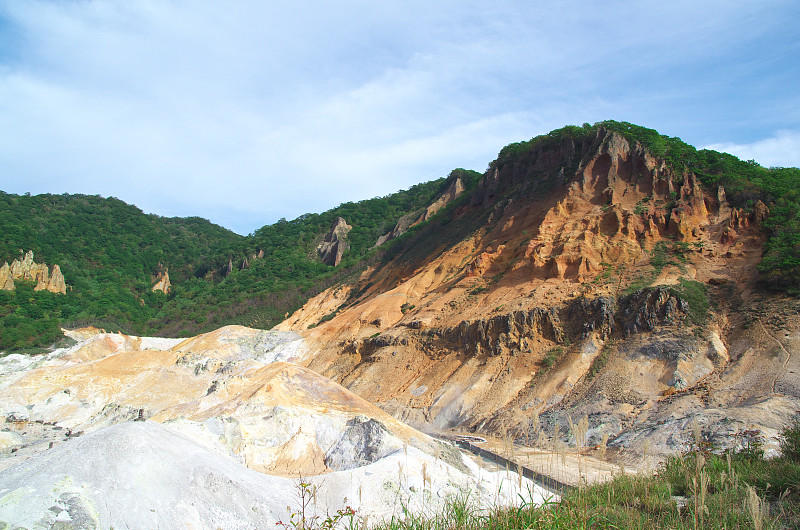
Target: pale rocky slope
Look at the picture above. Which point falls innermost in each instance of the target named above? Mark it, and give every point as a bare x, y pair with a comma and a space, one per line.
456, 331
210, 432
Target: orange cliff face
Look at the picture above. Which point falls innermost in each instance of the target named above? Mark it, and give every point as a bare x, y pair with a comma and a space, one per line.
456, 330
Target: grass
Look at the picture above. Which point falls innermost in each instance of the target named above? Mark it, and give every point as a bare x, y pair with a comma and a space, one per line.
695, 490
600, 361
551, 357
698, 489
694, 293
690, 491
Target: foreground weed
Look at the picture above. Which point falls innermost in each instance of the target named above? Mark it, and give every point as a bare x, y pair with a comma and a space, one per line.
301, 519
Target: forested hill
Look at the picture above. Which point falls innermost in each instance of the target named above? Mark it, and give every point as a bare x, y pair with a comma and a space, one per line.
110, 254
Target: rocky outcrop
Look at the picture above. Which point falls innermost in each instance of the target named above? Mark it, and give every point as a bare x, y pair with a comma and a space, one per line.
334, 244
162, 283
6, 282
403, 224
760, 213
646, 309
453, 191
26, 269
363, 441
502, 333
595, 315
56, 283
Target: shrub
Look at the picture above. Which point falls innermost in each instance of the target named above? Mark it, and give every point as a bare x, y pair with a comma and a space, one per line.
551, 357
790, 440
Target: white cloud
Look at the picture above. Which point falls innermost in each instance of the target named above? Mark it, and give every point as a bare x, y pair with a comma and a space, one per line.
248, 111
782, 150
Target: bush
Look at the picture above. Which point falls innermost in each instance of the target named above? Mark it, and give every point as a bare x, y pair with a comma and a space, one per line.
790, 440
552, 356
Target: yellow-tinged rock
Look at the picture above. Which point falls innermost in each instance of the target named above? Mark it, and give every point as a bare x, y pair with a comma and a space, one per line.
162, 284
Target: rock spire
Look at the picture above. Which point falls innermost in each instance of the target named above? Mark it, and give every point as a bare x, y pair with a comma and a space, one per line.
334, 244
26, 269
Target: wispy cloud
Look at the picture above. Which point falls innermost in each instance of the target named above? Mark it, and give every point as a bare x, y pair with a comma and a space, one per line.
248, 111
782, 150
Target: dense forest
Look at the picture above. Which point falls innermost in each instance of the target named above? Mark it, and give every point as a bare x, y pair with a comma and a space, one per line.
110, 252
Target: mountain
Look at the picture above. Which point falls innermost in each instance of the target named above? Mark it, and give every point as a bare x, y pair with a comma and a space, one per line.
543, 285
601, 287
112, 255
599, 272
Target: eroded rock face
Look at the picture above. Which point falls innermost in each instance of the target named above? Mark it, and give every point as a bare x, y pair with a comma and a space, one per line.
334, 244
647, 309
620, 204
26, 269
453, 191
162, 282
524, 308
596, 316
500, 333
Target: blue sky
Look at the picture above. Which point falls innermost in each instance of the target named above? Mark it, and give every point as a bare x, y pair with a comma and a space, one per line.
244, 112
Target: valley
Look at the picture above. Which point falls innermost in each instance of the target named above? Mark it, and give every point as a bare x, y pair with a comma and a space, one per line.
601, 298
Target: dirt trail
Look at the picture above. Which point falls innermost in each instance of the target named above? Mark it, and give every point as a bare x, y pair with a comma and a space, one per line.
569, 468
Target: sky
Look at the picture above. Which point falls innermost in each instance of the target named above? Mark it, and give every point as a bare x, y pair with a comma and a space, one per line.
248, 111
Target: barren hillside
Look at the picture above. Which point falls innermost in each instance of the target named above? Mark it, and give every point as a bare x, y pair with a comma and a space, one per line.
583, 278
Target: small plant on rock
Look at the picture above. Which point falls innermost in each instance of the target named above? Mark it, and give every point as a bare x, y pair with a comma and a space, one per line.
302, 519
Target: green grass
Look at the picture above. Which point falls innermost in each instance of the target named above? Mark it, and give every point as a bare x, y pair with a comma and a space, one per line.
694, 293
669, 499
551, 357
698, 489
600, 361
